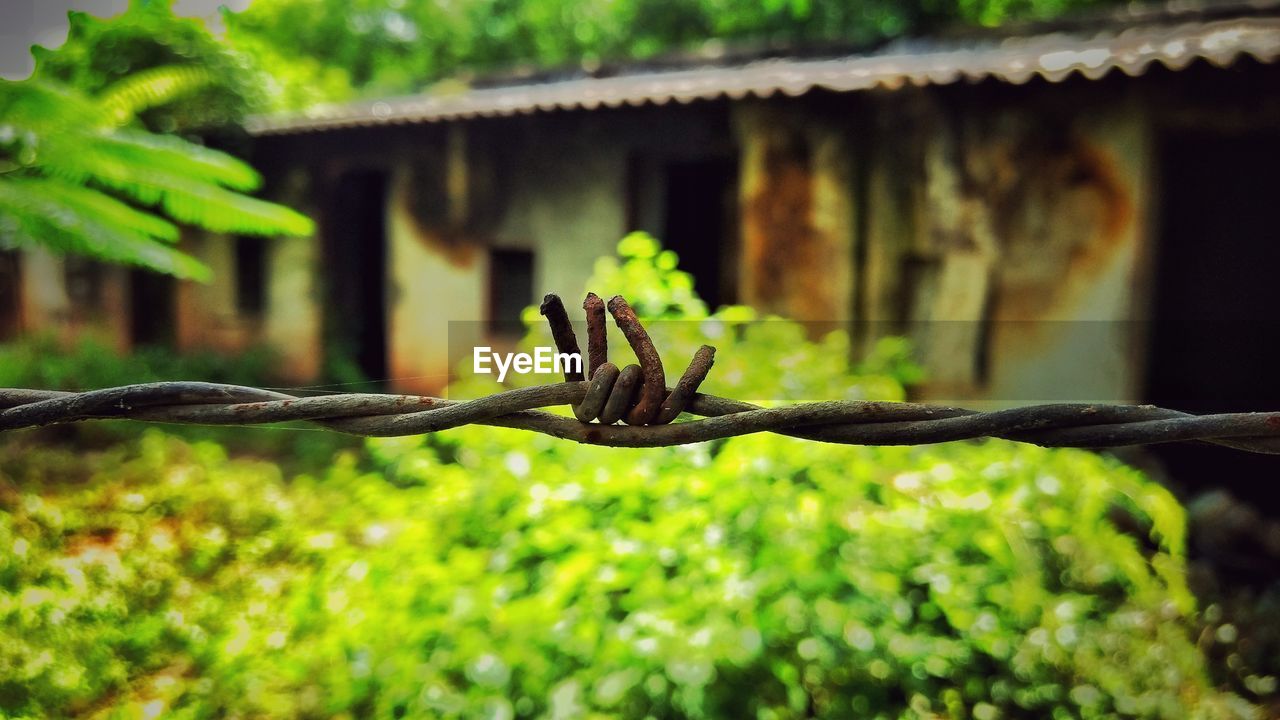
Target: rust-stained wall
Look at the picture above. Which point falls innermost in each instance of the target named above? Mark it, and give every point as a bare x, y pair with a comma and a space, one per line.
207, 315
291, 319
796, 213
554, 185
1006, 237
1004, 228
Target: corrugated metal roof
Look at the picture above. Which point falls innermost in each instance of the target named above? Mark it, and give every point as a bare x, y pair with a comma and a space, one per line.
1053, 57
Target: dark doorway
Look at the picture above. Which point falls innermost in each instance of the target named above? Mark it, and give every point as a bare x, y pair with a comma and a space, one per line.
701, 204
1216, 332
10, 310
355, 245
251, 275
510, 291
152, 308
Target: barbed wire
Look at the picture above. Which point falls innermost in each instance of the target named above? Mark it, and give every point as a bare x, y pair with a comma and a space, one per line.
639, 396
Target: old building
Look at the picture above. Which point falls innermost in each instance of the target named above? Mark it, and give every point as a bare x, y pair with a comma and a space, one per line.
1047, 210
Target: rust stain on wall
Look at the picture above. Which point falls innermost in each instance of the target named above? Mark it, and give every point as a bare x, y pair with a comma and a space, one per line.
427, 201
1097, 178
784, 250
1062, 224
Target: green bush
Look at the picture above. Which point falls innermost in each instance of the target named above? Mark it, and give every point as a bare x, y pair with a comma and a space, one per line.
487, 573
510, 577
758, 358
89, 364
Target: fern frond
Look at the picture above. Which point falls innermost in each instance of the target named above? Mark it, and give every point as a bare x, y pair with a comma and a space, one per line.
187, 199
103, 207
188, 157
33, 211
127, 98
192, 200
221, 210
81, 153
65, 158
153, 171
165, 153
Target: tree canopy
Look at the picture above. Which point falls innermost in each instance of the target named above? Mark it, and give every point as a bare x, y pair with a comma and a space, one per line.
89, 164
215, 87
77, 175
318, 50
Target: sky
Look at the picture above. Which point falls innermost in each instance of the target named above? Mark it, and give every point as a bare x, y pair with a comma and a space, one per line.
24, 23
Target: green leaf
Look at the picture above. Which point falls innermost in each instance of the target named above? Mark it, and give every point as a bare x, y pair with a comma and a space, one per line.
70, 170
67, 218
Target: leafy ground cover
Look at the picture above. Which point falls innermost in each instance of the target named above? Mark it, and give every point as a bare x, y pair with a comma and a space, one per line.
492, 575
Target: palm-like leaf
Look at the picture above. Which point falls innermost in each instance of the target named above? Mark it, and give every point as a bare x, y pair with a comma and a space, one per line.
72, 172
71, 219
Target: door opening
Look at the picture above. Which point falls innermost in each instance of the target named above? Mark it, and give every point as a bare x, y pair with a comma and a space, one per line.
510, 292
1215, 335
10, 297
355, 317
701, 211
153, 313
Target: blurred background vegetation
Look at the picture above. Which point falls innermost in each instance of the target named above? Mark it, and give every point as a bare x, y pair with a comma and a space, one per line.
335, 50
187, 572
486, 573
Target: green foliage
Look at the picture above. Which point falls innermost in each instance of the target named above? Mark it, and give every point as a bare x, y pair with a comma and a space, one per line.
332, 49
155, 87
759, 359
175, 74
81, 173
89, 364
508, 577
73, 180
488, 573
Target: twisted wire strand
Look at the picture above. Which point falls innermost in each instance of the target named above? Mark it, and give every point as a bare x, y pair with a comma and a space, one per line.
639, 396
636, 394
842, 421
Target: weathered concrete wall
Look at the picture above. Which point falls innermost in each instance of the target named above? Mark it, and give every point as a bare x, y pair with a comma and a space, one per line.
207, 315
557, 186
1007, 241
291, 321
291, 324
565, 199
1078, 271
45, 304
48, 304
432, 281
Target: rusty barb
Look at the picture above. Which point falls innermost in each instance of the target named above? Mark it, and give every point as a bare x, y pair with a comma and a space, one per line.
636, 394
639, 396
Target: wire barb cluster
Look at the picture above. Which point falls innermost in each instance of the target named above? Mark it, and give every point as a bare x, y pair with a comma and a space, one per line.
613, 394
639, 396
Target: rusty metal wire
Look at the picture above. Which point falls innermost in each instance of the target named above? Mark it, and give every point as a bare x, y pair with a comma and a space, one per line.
639, 396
